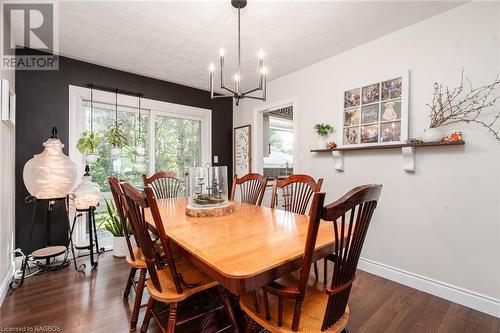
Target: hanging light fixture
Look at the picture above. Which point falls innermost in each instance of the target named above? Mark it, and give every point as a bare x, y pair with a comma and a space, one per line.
140, 149
237, 93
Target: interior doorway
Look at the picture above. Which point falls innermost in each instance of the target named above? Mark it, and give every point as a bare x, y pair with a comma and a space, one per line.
278, 142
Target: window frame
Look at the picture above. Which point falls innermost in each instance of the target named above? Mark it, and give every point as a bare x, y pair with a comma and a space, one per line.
77, 124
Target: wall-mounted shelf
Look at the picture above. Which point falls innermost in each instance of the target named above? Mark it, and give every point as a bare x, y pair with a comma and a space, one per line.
408, 150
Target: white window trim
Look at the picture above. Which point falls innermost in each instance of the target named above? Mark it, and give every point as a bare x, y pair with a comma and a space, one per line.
77, 126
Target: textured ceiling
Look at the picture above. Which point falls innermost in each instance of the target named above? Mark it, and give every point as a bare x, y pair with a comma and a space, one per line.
176, 41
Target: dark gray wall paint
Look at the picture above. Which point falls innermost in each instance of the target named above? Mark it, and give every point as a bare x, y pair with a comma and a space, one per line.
42, 102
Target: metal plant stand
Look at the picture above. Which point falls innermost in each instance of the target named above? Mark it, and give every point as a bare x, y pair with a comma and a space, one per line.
49, 251
90, 212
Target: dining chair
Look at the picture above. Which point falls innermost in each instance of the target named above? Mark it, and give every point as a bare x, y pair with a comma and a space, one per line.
252, 187
172, 280
164, 184
134, 259
296, 193
315, 307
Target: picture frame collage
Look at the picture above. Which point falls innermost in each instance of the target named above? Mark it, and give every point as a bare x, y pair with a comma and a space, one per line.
376, 113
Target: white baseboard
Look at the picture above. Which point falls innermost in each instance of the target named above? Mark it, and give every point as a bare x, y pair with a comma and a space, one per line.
452, 293
4, 287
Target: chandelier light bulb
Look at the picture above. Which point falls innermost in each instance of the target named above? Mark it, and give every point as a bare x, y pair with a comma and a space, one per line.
261, 54
236, 77
264, 70
211, 68
222, 52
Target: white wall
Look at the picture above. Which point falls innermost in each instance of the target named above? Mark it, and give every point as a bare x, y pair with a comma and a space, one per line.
7, 188
438, 229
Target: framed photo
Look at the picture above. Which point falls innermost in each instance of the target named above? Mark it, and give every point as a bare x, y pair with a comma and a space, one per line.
7, 103
376, 113
351, 135
370, 94
351, 117
242, 146
351, 98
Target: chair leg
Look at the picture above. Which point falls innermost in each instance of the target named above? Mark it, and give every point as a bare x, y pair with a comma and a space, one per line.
266, 305
280, 311
296, 314
228, 308
316, 274
138, 299
256, 301
147, 315
325, 271
172, 318
130, 281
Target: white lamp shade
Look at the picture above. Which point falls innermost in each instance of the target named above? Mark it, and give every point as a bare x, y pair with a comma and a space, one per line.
50, 174
87, 193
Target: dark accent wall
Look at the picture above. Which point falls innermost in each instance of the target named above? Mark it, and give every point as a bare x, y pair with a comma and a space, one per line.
43, 102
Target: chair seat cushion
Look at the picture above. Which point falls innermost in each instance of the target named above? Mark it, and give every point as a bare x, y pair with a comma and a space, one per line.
312, 314
190, 273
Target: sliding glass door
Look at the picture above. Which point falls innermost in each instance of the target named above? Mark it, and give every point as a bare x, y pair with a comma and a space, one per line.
174, 138
177, 144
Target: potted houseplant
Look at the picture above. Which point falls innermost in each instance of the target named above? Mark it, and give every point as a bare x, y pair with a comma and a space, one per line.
113, 225
87, 145
323, 130
117, 139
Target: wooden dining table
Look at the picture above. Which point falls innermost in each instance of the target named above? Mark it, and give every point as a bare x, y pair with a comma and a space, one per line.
245, 250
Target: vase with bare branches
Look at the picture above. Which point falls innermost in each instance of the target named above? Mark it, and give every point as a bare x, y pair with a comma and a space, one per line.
464, 104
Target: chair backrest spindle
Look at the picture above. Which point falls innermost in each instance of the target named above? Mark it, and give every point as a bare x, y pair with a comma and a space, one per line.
164, 184
136, 204
351, 216
296, 192
252, 187
118, 198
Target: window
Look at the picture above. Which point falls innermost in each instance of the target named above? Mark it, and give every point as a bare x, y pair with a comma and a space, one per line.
175, 137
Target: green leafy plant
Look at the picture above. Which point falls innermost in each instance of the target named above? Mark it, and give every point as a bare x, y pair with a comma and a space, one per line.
323, 129
88, 142
112, 221
116, 136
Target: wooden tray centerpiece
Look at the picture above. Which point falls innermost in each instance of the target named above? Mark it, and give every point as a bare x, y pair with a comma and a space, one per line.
208, 188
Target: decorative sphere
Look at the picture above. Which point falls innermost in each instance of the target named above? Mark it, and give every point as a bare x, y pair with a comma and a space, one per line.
50, 174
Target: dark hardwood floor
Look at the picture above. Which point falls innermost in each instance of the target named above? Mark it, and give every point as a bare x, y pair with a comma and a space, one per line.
74, 302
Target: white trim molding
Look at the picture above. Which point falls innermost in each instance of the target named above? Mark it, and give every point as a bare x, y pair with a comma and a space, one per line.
437, 288
4, 287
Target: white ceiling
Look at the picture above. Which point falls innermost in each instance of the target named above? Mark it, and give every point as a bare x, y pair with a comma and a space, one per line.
176, 41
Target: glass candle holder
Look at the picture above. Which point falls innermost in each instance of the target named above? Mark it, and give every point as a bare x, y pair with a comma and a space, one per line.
208, 186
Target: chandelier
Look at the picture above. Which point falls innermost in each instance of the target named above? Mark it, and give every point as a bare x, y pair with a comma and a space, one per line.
237, 93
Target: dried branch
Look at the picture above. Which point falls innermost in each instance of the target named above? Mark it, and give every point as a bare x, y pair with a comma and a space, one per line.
464, 104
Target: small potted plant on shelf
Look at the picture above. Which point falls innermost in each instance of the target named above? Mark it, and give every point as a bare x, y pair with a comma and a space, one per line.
113, 225
87, 145
117, 139
323, 130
